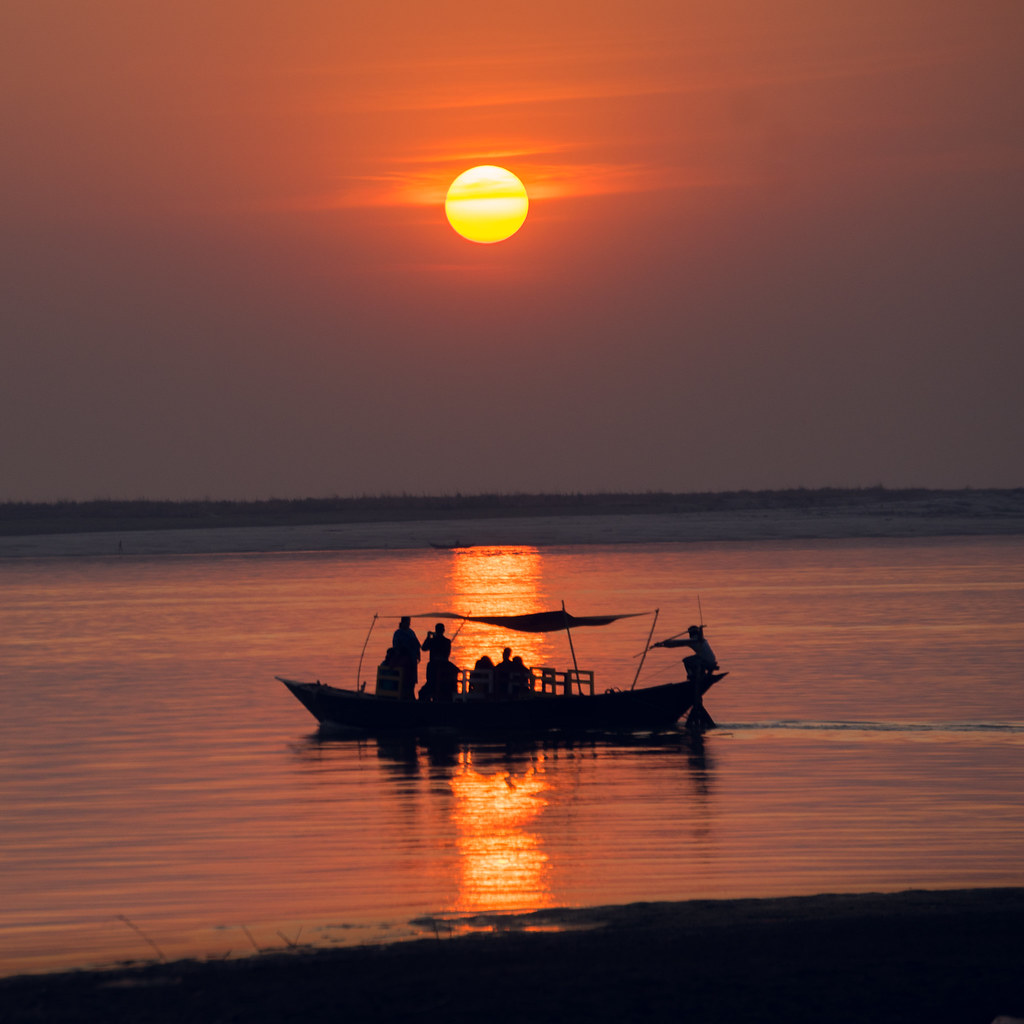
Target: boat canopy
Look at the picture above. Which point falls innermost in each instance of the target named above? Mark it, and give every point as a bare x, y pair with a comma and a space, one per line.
534, 622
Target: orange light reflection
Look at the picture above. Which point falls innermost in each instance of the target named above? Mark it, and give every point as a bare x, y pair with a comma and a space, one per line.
502, 865
497, 581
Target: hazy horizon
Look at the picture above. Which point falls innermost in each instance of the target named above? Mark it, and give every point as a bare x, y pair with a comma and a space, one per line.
708, 500
767, 248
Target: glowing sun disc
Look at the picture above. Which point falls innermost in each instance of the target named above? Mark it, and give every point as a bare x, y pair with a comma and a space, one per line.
486, 204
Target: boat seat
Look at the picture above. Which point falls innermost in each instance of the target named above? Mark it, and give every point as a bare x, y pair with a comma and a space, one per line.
389, 682
480, 682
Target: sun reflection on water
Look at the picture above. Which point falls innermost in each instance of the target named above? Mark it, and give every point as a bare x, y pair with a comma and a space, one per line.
498, 581
502, 864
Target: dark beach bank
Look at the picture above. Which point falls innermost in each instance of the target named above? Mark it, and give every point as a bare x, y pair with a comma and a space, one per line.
928, 957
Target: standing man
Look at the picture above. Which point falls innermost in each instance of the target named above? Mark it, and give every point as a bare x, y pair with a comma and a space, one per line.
439, 674
406, 645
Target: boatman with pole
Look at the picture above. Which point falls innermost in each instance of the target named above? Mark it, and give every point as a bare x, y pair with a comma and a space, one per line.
698, 665
702, 661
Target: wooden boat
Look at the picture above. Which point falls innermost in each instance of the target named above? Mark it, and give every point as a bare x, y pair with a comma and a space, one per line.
545, 699
651, 708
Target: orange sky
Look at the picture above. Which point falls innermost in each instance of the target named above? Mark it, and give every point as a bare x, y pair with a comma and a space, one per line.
768, 246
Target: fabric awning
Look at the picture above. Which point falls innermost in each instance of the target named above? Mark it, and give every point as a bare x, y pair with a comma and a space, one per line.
534, 622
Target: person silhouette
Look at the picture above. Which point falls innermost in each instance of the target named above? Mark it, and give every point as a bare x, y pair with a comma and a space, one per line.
503, 673
406, 645
703, 661
440, 677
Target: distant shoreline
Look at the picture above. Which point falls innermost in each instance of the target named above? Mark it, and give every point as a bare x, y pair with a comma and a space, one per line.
940, 956
99, 529
27, 518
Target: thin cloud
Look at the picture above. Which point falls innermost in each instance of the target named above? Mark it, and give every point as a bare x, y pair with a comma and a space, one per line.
537, 79
544, 182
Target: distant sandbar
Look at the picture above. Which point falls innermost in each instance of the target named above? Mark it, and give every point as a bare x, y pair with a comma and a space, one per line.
536, 521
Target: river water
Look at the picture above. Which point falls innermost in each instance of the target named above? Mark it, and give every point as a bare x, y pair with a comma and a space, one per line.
161, 794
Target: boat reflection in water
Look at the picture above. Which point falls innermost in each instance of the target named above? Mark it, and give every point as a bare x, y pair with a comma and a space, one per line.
508, 820
502, 862
497, 796
511, 818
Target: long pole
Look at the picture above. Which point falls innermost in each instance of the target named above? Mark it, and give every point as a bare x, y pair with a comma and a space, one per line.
359, 670
647, 646
568, 633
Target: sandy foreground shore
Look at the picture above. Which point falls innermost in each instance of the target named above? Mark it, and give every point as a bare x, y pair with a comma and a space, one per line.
922, 957
920, 520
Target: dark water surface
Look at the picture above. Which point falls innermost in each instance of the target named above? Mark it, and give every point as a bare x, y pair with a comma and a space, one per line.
160, 790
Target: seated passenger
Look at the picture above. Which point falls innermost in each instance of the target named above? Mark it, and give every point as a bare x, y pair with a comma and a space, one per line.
482, 685
389, 673
519, 677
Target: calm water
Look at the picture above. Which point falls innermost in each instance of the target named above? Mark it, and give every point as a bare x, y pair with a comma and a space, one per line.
160, 789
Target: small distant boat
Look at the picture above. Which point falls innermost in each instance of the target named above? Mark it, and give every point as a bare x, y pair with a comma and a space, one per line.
545, 699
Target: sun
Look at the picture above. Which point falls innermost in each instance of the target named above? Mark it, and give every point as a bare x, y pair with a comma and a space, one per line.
486, 204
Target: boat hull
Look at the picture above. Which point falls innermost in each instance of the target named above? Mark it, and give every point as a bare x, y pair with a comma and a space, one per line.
652, 708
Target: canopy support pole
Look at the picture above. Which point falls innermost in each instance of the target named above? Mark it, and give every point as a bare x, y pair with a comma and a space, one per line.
359, 670
568, 633
647, 647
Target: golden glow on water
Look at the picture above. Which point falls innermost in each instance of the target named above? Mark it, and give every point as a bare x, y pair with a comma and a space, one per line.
498, 581
152, 769
502, 864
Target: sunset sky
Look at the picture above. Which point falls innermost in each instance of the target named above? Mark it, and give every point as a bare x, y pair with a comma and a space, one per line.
768, 245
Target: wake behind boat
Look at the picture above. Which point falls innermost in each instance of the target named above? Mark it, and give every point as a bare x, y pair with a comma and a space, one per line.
538, 699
